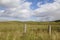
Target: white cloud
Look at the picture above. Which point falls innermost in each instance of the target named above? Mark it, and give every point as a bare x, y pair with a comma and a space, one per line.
49, 9
57, 0
11, 3
21, 9
16, 8
7, 3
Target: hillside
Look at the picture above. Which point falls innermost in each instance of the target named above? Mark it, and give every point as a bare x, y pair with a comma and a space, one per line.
15, 30
30, 22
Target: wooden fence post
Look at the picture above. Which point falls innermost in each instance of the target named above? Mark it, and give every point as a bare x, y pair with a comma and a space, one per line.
25, 28
49, 29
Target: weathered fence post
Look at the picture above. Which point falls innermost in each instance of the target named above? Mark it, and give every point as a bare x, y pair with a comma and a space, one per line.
25, 28
49, 29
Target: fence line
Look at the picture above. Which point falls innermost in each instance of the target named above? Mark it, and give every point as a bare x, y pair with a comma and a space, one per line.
29, 28
49, 27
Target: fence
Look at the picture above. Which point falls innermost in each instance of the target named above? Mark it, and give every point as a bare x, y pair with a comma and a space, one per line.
48, 28
30, 32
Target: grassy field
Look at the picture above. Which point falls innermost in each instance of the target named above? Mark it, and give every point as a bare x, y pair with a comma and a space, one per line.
35, 31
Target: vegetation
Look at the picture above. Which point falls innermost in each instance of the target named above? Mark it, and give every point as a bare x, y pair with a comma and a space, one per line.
35, 31
57, 21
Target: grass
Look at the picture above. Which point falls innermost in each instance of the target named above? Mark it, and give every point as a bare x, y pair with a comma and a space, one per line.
35, 31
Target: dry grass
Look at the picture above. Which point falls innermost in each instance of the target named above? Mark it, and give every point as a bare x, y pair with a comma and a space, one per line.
15, 31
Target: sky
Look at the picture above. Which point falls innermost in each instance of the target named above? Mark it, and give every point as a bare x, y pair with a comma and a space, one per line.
29, 10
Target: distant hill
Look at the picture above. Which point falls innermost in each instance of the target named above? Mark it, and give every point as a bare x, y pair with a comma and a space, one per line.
29, 22
57, 21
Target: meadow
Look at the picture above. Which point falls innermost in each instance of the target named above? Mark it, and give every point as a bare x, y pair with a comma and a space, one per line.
14, 30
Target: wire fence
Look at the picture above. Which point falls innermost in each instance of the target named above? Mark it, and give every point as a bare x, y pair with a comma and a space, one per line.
30, 32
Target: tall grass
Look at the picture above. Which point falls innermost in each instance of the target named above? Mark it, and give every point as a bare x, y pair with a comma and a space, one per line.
15, 31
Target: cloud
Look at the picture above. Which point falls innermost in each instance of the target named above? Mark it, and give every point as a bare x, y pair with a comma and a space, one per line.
16, 9
20, 10
57, 1
51, 10
9, 3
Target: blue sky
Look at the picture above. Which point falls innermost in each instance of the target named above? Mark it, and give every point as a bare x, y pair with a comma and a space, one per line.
34, 3
30, 10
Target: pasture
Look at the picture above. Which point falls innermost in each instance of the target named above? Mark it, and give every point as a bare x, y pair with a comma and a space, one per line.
34, 31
